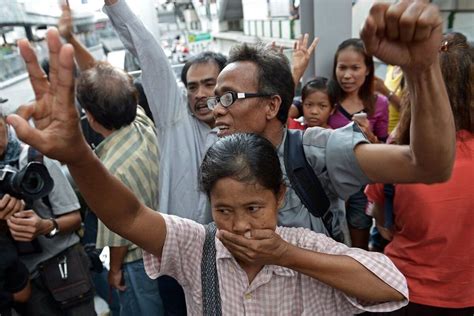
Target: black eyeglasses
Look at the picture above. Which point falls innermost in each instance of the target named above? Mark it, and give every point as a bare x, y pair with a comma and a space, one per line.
228, 98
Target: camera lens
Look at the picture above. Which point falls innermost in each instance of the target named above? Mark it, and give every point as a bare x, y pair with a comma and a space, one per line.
33, 183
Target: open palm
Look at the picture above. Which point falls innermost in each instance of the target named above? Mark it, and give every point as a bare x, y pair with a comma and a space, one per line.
53, 112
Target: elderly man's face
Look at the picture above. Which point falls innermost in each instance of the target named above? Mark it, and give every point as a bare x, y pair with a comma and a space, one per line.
244, 115
3, 136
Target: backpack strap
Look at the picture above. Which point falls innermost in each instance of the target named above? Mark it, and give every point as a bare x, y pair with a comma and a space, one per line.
343, 111
389, 195
211, 297
303, 180
35, 155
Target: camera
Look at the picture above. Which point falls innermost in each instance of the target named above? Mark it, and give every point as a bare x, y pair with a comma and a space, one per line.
31, 183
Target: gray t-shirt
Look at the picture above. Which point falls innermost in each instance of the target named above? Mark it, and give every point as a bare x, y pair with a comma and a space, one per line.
331, 154
63, 200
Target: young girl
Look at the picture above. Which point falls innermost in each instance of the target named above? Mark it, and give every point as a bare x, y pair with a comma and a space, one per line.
316, 106
352, 91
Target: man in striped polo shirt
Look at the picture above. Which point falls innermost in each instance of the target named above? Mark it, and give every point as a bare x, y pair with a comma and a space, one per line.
130, 152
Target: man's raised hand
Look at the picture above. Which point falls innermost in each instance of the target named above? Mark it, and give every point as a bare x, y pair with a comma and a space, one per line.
407, 33
65, 22
56, 133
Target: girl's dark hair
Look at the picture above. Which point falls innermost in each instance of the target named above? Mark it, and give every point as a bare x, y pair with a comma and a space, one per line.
456, 58
243, 157
366, 92
316, 84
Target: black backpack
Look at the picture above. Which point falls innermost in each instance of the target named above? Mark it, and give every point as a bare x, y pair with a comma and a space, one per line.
305, 183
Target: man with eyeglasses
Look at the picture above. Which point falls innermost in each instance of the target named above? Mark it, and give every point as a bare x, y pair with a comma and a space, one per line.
254, 92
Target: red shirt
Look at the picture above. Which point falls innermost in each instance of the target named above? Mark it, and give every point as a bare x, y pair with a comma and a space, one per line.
433, 242
293, 124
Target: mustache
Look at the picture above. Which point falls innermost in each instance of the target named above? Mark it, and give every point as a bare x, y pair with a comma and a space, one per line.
200, 102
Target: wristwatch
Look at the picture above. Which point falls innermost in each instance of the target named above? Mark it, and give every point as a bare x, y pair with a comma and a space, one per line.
55, 230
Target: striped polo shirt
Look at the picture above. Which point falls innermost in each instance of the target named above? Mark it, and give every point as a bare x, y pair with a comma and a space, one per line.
132, 155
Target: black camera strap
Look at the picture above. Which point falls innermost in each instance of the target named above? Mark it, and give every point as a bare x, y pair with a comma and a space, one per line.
35, 155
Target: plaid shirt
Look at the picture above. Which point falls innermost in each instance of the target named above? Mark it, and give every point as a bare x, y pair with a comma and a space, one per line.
131, 154
275, 290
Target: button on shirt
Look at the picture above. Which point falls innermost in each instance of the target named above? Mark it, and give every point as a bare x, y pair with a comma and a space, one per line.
275, 290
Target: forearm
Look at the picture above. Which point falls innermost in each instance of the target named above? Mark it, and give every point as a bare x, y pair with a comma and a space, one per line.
395, 100
432, 131
69, 222
341, 272
117, 255
83, 57
116, 206
103, 192
297, 74
390, 95
164, 98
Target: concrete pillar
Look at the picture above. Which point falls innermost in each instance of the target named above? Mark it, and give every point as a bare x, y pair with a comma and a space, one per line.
331, 21
307, 26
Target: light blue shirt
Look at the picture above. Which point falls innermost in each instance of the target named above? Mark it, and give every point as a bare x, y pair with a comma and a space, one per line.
183, 139
331, 155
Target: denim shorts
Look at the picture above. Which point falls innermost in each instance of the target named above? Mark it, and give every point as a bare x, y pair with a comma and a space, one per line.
355, 211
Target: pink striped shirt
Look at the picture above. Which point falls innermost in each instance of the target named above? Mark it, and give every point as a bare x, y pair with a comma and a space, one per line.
275, 290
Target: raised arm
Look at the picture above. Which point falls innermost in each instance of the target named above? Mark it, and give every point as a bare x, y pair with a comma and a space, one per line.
57, 135
84, 58
408, 34
159, 82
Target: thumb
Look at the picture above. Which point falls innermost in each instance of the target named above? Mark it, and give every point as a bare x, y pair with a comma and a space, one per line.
25, 132
24, 214
26, 111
